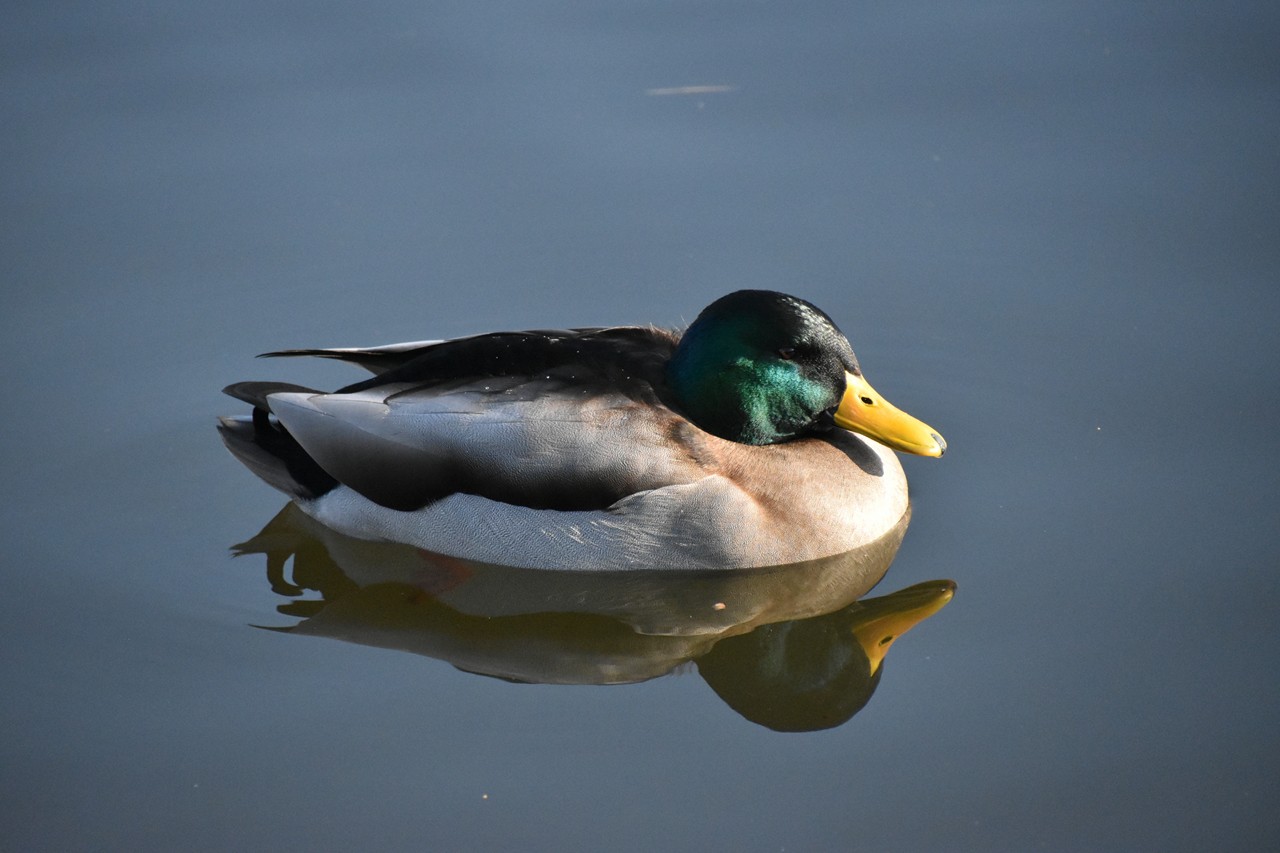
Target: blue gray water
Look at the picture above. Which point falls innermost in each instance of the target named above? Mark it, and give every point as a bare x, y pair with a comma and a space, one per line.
1050, 231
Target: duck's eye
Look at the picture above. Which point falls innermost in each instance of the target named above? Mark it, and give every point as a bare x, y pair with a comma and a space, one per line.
787, 353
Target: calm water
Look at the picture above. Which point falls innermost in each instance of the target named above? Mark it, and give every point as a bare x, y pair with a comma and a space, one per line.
1050, 232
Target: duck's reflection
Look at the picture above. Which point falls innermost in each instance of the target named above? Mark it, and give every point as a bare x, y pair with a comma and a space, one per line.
788, 647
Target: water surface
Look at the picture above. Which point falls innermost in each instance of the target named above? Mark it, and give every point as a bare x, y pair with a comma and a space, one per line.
1048, 231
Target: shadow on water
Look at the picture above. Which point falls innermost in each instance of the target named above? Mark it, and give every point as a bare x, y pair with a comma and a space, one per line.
788, 647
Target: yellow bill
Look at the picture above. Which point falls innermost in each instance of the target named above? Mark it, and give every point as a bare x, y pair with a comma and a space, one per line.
864, 411
887, 618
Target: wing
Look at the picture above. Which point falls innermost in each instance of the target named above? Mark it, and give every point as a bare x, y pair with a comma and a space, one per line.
549, 421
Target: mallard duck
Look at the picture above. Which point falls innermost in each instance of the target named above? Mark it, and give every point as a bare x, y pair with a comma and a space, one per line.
752, 439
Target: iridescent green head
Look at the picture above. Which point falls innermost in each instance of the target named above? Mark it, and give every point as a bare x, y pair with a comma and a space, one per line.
760, 367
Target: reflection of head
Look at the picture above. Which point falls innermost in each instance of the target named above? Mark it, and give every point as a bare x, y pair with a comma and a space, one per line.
791, 677
816, 673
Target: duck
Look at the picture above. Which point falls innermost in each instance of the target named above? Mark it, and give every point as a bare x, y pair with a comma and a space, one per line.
751, 439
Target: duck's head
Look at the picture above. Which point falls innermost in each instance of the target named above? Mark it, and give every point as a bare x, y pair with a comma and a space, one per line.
759, 367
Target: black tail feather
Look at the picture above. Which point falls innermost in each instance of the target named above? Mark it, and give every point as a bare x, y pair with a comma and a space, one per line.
255, 393
375, 359
268, 450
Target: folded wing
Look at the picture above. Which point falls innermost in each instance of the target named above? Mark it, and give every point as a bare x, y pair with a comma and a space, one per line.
563, 420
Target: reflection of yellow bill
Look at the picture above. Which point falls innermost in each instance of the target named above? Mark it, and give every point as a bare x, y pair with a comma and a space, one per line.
863, 410
888, 618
